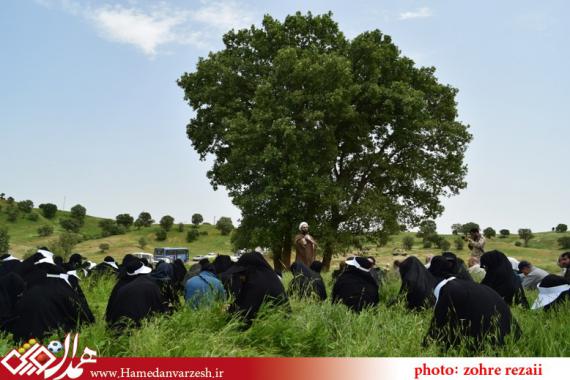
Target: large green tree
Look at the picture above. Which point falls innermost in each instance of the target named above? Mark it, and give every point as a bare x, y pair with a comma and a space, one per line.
305, 124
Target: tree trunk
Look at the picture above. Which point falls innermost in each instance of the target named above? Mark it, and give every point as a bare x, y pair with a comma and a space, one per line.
286, 253
276, 250
327, 255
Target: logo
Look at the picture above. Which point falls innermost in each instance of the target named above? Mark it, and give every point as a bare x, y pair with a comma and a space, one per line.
35, 359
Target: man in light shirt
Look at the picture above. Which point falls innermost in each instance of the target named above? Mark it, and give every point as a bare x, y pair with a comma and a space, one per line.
531, 275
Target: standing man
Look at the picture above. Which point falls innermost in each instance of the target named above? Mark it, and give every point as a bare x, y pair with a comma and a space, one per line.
476, 243
305, 245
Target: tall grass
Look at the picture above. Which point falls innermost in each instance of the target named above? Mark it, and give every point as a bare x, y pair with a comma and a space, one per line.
311, 329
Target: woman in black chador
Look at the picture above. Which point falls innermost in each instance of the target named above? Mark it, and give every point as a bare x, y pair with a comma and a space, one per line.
466, 311
500, 276
355, 287
417, 283
306, 283
553, 291
252, 282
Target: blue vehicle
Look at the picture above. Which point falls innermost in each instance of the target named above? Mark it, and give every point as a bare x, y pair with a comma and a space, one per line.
172, 253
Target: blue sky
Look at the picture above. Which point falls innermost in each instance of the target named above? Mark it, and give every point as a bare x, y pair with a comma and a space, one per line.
90, 111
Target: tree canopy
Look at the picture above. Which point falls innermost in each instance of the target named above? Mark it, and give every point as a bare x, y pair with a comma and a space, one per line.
306, 125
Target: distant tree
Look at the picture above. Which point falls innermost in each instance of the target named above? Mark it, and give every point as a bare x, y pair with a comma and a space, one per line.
2, 196
12, 213
468, 227
564, 242
489, 233
26, 206
45, 230
78, 213
161, 234
33, 216
504, 233
456, 228
166, 222
4, 240
104, 247
110, 227
144, 220
427, 243
64, 245
48, 210
197, 219
70, 224
180, 227
10, 200
225, 225
408, 242
192, 235
142, 242
403, 228
561, 228
458, 243
125, 220
525, 234
441, 242
427, 228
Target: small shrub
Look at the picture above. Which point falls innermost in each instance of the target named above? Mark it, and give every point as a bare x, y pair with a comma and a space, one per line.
26, 206
161, 235
192, 235
142, 242
458, 243
33, 216
12, 213
427, 243
4, 240
48, 210
408, 242
45, 230
70, 224
180, 227
518, 244
104, 247
204, 233
564, 242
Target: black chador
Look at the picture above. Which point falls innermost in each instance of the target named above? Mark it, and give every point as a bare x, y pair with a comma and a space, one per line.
417, 283
252, 282
500, 276
355, 287
306, 283
468, 312
8, 264
11, 289
553, 291
134, 297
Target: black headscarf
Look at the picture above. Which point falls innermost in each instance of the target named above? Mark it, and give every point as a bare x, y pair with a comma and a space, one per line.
107, 267
163, 275
306, 283
500, 276
222, 263
8, 264
355, 287
457, 266
417, 283
253, 282
552, 281
469, 310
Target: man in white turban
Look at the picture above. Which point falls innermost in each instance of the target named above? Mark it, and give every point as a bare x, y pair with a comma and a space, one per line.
305, 245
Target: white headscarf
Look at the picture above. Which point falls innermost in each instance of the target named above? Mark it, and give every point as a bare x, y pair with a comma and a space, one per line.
302, 225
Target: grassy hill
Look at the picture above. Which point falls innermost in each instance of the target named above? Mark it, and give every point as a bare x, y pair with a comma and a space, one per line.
542, 250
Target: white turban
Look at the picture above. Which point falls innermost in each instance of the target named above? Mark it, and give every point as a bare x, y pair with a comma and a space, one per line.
302, 225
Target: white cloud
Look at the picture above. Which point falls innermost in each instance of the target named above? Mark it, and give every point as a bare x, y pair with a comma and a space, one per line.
150, 28
418, 13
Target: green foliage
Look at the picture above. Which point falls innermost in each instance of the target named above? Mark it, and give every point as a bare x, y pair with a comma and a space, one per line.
468, 227
564, 242
104, 247
489, 233
78, 213
225, 225
441, 242
33, 216
142, 242
12, 213
144, 220
125, 220
518, 244
456, 228
26, 206
192, 235
458, 243
427, 243
525, 234
427, 228
48, 210
504, 233
561, 228
197, 219
407, 242
4, 240
180, 227
65, 243
70, 224
166, 222
45, 230
299, 120
110, 227
161, 234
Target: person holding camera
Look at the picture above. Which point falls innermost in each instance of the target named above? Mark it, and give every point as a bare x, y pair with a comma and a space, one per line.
475, 242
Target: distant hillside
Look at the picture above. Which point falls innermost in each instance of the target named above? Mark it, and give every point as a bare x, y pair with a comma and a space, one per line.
543, 250
24, 237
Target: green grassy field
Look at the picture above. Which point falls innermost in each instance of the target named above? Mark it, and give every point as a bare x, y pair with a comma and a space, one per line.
312, 329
